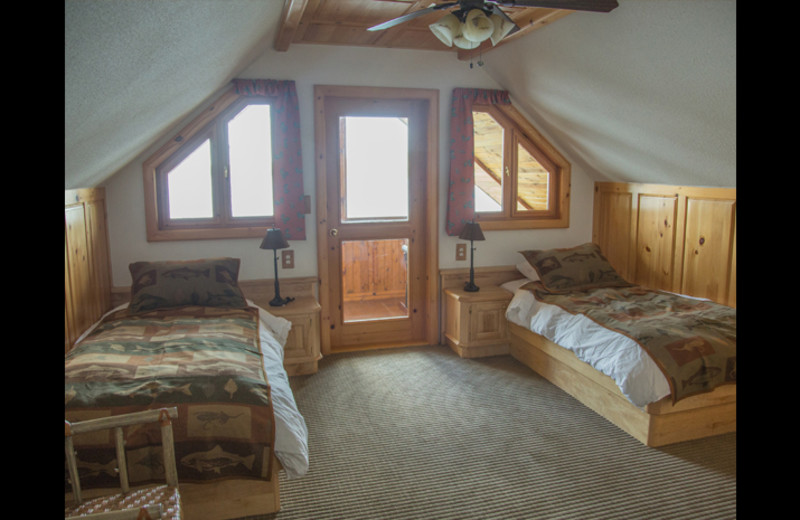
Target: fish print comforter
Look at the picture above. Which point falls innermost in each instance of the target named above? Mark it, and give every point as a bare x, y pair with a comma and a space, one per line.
693, 342
204, 360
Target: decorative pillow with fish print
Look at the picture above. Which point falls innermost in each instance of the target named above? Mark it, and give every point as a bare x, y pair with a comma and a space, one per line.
210, 282
573, 269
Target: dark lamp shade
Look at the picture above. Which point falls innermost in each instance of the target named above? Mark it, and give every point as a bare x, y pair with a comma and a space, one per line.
471, 231
274, 239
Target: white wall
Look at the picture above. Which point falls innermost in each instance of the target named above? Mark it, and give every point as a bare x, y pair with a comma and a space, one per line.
309, 65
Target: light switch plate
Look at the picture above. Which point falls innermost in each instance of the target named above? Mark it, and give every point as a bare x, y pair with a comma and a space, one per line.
461, 251
287, 259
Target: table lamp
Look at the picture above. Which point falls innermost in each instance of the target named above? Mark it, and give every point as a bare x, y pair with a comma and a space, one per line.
275, 240
472, 231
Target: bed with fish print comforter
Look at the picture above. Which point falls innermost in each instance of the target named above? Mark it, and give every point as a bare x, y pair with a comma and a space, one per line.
691, 341
206, 361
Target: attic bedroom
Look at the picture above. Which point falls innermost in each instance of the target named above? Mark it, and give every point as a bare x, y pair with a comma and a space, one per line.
490, 271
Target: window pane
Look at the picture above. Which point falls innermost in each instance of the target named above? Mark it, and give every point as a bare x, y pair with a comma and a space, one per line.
250, 161
375, 167
532, 182
488, 163
189, 185
488, 192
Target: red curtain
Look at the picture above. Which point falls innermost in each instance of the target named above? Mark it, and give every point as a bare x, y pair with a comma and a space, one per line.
461, 193
287, 161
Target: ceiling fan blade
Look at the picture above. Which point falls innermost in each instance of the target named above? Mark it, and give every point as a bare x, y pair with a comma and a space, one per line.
411, 16
600, 6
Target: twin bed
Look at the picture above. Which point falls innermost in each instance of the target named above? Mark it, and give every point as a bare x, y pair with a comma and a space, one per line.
660, 366
189, 338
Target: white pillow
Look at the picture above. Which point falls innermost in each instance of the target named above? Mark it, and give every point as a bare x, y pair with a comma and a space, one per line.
530, 273
513, 285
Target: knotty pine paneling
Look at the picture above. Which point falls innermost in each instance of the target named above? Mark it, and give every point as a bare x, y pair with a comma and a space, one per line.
675, 238
87, 268
373, 269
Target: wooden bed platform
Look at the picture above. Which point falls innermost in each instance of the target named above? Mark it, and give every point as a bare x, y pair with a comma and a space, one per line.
658, 424
233, 498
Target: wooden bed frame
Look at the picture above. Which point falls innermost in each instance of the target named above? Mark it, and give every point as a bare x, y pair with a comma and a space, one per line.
657, 424
87, 296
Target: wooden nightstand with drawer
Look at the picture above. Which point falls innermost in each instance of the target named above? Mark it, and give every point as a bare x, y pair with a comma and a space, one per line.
302, 350
475, 322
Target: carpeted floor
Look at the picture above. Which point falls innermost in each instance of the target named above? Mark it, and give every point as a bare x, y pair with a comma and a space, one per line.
420, 433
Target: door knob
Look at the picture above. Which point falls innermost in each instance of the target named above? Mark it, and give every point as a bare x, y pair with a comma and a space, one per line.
333, 232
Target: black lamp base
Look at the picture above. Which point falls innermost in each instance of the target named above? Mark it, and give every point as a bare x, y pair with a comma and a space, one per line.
471, 287
278, 301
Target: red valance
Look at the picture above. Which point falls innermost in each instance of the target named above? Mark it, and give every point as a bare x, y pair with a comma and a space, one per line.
461, 193
287, 161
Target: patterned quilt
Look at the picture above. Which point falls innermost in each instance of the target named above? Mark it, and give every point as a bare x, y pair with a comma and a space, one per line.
204, 360
693, 342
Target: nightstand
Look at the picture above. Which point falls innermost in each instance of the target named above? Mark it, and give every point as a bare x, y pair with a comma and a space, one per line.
302, 350
475, 322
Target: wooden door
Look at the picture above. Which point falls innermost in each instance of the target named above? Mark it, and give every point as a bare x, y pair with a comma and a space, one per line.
373, 235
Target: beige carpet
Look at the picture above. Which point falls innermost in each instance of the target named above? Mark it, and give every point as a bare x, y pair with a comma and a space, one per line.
419, 433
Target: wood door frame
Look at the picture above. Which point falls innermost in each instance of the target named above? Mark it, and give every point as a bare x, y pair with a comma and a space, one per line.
321, 92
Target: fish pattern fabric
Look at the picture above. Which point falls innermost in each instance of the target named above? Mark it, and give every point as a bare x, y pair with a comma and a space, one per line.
692, 341
207, 361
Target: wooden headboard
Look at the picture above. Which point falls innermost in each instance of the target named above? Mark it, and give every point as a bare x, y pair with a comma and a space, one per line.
87, 267
675, 238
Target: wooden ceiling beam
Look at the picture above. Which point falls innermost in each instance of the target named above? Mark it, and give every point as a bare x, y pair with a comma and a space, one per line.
293, 11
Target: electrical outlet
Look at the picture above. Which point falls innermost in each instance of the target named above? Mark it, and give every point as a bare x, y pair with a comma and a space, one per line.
461, 251
287, 259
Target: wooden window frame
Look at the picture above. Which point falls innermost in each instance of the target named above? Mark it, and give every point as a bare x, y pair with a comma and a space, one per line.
221, 226
519, 132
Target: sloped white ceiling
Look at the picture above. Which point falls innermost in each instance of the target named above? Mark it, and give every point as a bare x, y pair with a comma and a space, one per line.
645, 93
133, 68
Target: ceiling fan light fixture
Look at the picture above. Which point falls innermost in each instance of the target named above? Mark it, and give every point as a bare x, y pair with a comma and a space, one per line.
477, 26
462, 43
446, 29
501, 28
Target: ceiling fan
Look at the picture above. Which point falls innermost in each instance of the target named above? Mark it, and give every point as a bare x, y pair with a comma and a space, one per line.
475, 21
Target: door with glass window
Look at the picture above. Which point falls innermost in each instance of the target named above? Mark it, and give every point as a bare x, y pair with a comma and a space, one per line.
374, 245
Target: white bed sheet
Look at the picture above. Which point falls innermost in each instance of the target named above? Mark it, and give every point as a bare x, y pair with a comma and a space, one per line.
291, 432
612, 353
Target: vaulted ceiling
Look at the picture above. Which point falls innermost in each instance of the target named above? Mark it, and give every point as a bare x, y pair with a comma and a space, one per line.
637, 94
